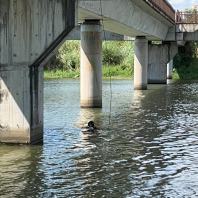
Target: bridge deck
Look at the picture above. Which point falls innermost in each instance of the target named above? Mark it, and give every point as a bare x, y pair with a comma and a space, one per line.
163, 7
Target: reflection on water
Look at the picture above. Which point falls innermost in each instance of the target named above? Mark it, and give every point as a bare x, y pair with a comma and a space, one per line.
149, 150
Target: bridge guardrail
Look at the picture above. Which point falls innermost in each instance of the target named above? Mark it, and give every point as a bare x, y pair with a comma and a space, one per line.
186, 17
164, 7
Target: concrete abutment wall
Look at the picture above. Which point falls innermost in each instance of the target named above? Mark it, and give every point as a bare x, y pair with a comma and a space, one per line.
29, 32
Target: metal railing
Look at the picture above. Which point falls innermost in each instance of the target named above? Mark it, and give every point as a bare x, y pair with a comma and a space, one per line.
164, 7
186, 17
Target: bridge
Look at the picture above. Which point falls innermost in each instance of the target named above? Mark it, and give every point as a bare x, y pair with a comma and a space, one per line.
31, 31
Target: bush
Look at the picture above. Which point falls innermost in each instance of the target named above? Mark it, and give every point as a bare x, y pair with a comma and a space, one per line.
112, 53
119, 54
68, 56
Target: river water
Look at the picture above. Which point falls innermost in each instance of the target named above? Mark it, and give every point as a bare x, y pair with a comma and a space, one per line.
147, 145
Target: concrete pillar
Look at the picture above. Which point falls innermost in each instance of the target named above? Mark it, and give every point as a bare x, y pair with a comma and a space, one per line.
140, 63
170, 69
21, 104
91, 65
157, 66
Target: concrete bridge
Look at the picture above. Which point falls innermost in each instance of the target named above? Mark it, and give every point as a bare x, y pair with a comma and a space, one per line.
31, 30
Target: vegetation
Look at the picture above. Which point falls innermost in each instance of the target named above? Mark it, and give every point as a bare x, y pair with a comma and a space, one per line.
189, 72
186, 62
117, 60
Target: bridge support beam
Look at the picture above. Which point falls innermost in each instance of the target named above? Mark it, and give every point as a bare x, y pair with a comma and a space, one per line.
91, 65
140, 63
21, 104
157, 66
170, 70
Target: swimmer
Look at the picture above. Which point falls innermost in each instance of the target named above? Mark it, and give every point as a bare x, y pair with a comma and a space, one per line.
90, 128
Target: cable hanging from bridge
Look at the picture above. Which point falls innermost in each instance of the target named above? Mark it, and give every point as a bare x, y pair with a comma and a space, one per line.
109, 70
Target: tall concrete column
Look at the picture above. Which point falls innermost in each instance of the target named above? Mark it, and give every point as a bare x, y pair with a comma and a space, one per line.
91, 64
170, 70
140, 63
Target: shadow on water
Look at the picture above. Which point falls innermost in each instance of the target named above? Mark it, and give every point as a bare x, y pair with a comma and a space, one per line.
20, 174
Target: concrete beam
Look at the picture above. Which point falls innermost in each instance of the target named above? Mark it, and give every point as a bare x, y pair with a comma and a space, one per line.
131, 18
187, 32
106, 35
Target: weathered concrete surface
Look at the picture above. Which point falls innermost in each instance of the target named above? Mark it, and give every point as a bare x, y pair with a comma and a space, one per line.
91, 65
29, 31
157, 66
187, 32
140, 63
131, 18
21, 104
159, 57
106, 35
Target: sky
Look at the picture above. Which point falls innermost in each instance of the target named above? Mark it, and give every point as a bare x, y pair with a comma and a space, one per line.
182, 4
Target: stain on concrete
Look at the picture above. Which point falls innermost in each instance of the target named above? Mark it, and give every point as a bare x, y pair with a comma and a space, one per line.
3, 128
3, 95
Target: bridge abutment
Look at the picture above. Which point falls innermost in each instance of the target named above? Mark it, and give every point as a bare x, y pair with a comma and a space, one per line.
29, 33
91, 65
140, 63
21, 104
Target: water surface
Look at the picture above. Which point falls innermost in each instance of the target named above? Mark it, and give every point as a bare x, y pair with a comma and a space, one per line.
147, 145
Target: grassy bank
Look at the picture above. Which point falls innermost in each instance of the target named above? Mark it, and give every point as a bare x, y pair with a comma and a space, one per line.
117, 60
116, 72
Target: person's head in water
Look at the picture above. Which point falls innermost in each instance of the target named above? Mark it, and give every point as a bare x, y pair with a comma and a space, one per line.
91, 124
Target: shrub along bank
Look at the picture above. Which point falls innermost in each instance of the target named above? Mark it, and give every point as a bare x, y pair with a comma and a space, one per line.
186, 62
117, 60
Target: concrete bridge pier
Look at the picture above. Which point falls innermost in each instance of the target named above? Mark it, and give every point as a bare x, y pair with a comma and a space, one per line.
170, 69
140, 63
160, 64
91, 64
30, 32
157, 66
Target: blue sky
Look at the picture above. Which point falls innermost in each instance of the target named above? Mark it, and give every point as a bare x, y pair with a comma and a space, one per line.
182, 4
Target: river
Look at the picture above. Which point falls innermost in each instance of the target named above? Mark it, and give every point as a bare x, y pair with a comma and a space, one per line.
147, 145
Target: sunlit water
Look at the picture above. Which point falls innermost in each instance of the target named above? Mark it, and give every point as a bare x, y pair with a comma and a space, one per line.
150, 148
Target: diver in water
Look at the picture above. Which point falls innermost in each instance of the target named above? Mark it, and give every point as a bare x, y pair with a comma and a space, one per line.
90, 128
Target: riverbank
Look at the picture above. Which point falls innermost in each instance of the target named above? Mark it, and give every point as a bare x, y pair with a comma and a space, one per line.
113, 71
118, 58
118, 72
